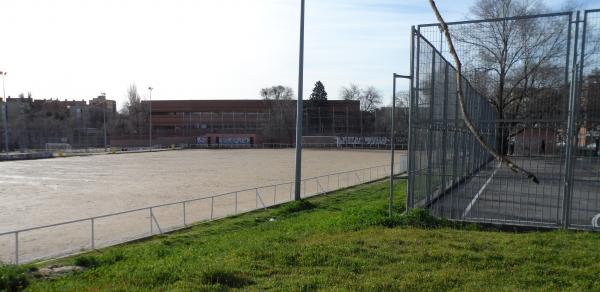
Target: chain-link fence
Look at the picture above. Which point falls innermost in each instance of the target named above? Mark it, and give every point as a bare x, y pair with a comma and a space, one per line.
33, 125
530, 86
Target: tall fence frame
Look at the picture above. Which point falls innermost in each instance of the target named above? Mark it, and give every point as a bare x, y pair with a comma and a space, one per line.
450, 174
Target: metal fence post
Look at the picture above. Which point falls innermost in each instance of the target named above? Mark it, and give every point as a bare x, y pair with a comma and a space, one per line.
345, 185
392, 138
445, 128
393, 141
93, 239
16, 248
413, 94
212, 206
151, 215
430, 130
184, 215
570, 139
305, 188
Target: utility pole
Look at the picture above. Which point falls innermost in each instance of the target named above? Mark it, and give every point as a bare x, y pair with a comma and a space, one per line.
299, 112
150, 119
104, 118
5, 113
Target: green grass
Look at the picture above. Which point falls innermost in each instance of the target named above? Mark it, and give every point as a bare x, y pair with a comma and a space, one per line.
343, 241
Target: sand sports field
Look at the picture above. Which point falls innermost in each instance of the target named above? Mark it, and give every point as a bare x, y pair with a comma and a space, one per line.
41, 192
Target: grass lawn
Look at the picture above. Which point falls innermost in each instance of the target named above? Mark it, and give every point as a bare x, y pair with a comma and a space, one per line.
341, 241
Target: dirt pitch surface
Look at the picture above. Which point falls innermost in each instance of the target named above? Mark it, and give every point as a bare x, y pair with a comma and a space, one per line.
41, 192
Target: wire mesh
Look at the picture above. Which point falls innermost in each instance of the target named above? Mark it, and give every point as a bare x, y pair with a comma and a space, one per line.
520, 75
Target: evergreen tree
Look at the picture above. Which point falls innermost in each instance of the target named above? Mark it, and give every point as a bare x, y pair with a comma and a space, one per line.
318, 117
319, 95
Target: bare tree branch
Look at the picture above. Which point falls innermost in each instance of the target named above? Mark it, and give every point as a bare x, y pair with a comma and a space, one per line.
514, 167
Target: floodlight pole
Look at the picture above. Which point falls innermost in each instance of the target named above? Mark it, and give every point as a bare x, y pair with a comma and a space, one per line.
299, 112
104, 119
4, 113
150, 119
392, 142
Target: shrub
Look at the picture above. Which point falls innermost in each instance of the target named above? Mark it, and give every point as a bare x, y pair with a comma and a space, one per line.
296, 206
421, 218
113, 256
12, 278
87, 261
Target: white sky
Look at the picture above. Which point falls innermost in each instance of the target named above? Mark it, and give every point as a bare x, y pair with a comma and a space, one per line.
206, 49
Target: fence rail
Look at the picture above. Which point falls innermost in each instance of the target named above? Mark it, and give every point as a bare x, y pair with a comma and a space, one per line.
67, 238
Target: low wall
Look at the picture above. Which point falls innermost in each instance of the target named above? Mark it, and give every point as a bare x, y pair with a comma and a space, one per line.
26, 156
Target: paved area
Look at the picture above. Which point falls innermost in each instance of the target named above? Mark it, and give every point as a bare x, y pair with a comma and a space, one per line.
496, 194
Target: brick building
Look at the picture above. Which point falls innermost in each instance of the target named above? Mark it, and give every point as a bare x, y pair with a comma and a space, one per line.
34, 122
245, 121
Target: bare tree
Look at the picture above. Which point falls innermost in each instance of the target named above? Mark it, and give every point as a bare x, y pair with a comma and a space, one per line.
278, 92
134, 101
134, 110
371, 99
352, 92
508, 58
461, 98
281, 124
402, 99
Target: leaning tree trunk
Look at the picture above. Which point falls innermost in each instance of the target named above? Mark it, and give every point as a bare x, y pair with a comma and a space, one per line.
461, 98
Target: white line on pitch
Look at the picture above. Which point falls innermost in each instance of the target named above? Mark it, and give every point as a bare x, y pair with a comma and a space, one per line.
468, 209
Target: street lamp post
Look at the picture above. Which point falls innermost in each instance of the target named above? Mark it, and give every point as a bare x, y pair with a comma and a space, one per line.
150, 119
104, 118
298, 178
4, 113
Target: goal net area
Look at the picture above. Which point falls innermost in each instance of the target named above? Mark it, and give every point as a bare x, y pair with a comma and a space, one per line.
345, 142
319, 141
57, 147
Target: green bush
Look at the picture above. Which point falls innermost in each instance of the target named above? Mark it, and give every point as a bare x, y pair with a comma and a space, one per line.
113, 256
87, 261
12, 278
296, 206
421, 218
355, 218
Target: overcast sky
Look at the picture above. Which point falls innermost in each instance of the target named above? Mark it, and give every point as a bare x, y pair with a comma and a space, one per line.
206, 49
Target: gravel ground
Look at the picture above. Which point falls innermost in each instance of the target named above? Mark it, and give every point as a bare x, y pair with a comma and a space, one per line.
41, 192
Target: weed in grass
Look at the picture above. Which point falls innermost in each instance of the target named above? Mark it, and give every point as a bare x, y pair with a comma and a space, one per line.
290, 259
296, 206
227, 278
162, 251
113, 256
12, 278
87, 261
419, 218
